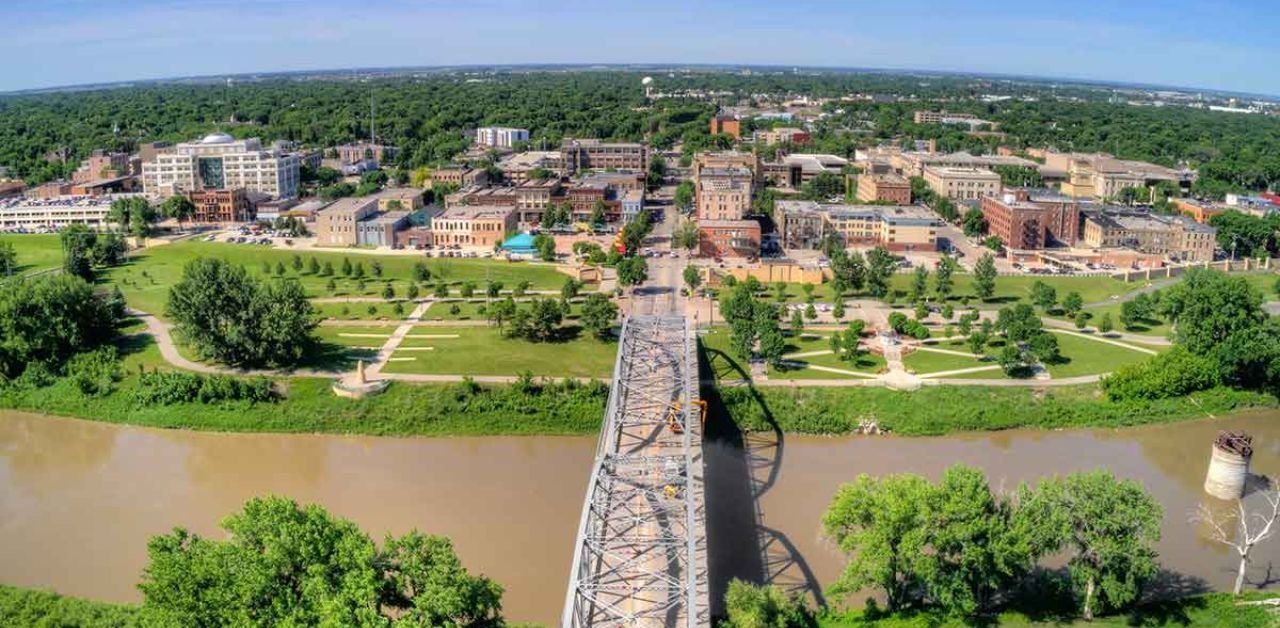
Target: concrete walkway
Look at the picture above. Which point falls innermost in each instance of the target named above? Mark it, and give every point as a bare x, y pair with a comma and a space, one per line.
1099, 338
945, 351
393, 343
975, 369
1139, 338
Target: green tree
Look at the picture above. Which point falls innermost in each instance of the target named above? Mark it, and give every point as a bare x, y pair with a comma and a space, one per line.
692, 278
919, 284
376, 266
1105, 325
975, 224
598, 315
852, 339
133, 215
632, 271
546, 247
388, 291
327, 271
1072, 303
280, 269
492, 289
236, 319
313, 267
837, 310
1081, 320
569, 289
1043, 295
358, 272
880, 265
178, 207
77, 251
421, 274
284, 564
684, 196
1107, 527
46, 320
878, 523
346, 267
598, 213
539, 323
8, 260
502, 311
685, 236
467, 290
331, 286
984, 277
797, 323
441, 290
759, 606
943, 281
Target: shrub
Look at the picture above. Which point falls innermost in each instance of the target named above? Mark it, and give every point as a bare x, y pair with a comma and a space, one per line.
1172, 374
96, 372
170, 388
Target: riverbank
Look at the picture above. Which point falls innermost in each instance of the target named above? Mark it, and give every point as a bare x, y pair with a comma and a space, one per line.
933, 411
465, 409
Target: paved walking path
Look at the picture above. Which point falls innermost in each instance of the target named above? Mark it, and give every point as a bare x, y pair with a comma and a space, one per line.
831, 369
1139, 338
974, 369
393, 343
945, 351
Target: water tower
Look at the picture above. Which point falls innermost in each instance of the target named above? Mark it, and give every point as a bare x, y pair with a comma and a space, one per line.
647, 82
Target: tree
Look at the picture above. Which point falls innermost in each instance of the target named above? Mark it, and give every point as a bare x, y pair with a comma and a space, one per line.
178, 207
975, 224
236, 319
850, 269
880, 265
797, 323
1072, 303
388, 291
546, 247
284, 564
692, 278
943, 280
539, 323
1081, 320
327, 271
133, 215
598, 210
376, 267
1019, 323
313, 266
823, 186
919, 284
780, 291
598, 314
922, 311
877, 522
467, 290
1105, 326
331, 286
977, 342
493, 289
837, 309
77, 251
852, 340
346, 267
1044, 347
569, 289
656, 173
836, 342
1208, 307
1108, 528
632, 271
984, 277
421, 274
47, 319
280, 269
1043, 295
685, 236
1242, 530
8, 259
772, 343
760, 606
684, 196
501, 311
1011, 359
358, 272
441, 290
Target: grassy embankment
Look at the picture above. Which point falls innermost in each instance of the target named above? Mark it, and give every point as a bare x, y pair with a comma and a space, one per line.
146, 278
36, 252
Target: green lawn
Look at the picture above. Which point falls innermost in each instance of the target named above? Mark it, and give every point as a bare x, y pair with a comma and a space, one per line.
472, 310
925, 362
35, 251
485, 351
145, 280
867, 363
359, 310
1008, 289
1084, 356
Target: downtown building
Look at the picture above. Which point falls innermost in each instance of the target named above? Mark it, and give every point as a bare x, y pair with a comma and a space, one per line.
500, 136
221, 162
807, 224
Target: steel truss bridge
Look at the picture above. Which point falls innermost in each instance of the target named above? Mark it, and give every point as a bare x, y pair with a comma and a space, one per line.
640, 558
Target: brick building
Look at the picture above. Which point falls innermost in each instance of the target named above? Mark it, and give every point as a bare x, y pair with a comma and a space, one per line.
806, 224
579, 154
220, 206
723, 193
729, 125
1023, 224
473, 226
962, 183
1176, 237
728, 238
890, 188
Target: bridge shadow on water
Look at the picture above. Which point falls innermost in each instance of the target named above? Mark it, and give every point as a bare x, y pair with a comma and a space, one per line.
740, 467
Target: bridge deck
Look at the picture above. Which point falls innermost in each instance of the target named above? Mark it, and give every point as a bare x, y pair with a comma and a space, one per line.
640, 556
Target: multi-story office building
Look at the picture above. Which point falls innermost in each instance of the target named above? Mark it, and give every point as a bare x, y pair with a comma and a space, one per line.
940, 117
461, 176
1176, 237
221, 162
365, 151
913, 163
727, 124
881, 188
473, 226
56, 212
500, 136
102, 164
1024, 223
962, 183
1099, 175
723, 193
806, 224
781, 135
795, 170
336, 225
584, 154
220, 206
380, 229
516, 168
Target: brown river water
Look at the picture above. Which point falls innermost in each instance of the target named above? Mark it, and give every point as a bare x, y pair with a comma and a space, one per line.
79, 499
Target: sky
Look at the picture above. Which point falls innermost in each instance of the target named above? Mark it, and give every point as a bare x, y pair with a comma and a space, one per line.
1230, 45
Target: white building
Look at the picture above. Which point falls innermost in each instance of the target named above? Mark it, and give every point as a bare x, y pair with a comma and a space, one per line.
221, 162
500, 136
37, 214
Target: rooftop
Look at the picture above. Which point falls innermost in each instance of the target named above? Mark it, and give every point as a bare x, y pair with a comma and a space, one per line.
961, 171
477, 212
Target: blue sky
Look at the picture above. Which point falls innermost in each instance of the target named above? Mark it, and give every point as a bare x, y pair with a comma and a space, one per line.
1217, 44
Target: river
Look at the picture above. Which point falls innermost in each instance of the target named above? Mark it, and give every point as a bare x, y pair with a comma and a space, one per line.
79, 499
